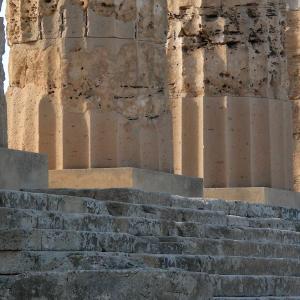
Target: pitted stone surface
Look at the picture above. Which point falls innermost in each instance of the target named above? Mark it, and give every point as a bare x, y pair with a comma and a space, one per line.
3, 112
198, 88
129, 244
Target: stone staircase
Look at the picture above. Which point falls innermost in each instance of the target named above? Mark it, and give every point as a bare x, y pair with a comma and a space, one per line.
127, 244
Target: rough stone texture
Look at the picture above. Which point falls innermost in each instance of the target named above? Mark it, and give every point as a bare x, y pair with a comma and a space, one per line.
91, 91
20, 169
3, 113
128, 244
145, 180
228, 82
259, 195
293, 51
195, 87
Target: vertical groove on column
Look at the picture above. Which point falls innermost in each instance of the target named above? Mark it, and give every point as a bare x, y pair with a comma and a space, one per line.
192, 114
260, 142
165, 139
276, 144
128, 149
75, 140
103, 140
149, 149
175, 85
47, 131
215, 109
238, 142
288, 149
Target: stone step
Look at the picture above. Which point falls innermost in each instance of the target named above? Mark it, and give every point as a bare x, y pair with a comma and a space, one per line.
255, 286
71, 204
61, 240
45, 202
140, 197
84, 205
28, 219
135, 284
257, 298
45, 261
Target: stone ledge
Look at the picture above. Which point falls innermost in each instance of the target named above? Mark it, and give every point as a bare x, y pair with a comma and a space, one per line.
259, 195
146, 180
20, 170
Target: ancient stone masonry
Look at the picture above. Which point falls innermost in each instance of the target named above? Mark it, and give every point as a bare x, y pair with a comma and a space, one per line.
228, 82
198, 87
87, 82
3, 121
293, 51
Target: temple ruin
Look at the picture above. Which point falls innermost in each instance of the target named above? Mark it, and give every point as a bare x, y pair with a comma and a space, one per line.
154, 115
199, 88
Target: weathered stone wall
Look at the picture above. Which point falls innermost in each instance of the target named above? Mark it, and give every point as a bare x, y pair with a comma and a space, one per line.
87, 82
229, 85
293, 51
128, 83
3, 113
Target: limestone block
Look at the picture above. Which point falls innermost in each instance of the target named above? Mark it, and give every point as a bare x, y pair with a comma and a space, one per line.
24, 21
140, 179
20, 169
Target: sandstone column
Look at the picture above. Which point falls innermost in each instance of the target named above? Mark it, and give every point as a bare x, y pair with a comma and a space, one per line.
293, 51
87, 82
109, 83
230, 92
3, 121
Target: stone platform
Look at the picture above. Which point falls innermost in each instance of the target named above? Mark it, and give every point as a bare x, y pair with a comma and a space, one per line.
20, 169
260, 195
145, 180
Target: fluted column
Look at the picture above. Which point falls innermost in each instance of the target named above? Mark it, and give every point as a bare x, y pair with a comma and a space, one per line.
87, 83
3, 115
293, 52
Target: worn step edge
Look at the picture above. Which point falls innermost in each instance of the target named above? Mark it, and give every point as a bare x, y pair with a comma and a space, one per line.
142, 197
55, 240
107, 284
43, 261
255, 286
30, 219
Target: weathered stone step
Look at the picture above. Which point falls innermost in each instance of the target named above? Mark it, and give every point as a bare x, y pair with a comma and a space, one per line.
57, 240
140, 197
255, 286
133, 284
71, 204
27, 219
44, 261
45, 202
257, 298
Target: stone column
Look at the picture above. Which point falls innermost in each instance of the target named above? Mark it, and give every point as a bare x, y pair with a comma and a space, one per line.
110, 83
234, 111
293, 52
3, 114
87, 82
17, 169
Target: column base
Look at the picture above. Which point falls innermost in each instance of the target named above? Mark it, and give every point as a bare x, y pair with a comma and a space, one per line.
146, 180
23, 170
259, 195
